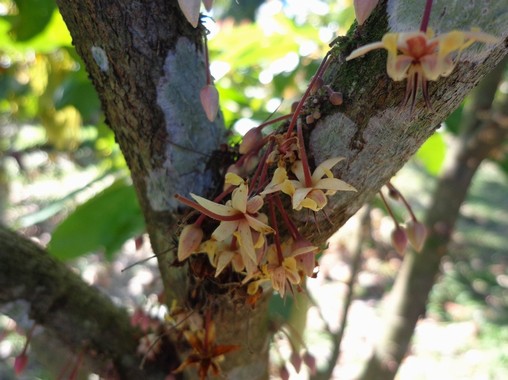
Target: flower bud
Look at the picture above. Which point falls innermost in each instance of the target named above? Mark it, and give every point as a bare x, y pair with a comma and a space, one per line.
20, 363
336, 98
393, 193
296, 361
189, 241
233, 168
190, 9
251, 139
310, 361
416, 233
363, 9
318, 83
283, 373
210, 100
305, 254
399, 239
208, 5
251, 163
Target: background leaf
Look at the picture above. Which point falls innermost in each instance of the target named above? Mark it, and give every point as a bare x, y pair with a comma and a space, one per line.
32, 18
104, 222
432, 153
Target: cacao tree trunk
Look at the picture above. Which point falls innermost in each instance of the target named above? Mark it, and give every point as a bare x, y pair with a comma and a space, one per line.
147, 65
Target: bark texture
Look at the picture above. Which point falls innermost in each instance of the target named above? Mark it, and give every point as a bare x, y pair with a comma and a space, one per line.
78, 315
146, 63
485, 130
373, 130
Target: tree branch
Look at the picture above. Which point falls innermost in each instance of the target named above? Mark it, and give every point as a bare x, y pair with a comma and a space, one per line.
77, 314
372, 129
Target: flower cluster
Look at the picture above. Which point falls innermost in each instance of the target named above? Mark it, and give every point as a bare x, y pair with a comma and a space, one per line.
248, 215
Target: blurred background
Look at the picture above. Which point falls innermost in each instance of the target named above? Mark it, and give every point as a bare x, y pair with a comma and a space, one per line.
64, 184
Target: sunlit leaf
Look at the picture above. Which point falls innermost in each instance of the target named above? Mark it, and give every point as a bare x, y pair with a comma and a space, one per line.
54, 35
454, 120
432, 153
104, 223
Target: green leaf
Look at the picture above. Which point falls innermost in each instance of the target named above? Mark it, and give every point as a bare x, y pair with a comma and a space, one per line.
54, 35
432, 153
280, 309
454, 121
503, 165
104, 222
32, 18
78, 91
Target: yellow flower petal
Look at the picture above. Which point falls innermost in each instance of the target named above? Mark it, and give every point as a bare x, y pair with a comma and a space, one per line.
318, 198
389, 42
244, 237
299, 196
225, 230
310, 204
279, 176
223, 259
233, 179
324, 168
291, 271
239, 198
258, 225
297, 169
216, 208
364, 50
334, 184
450, 42
288, 188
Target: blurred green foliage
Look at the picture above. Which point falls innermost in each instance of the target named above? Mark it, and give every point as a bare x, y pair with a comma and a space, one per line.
103, 223
44, 86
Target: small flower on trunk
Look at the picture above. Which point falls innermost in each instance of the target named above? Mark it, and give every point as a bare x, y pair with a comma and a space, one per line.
421, 57
314, 197
239, 218
206, 353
